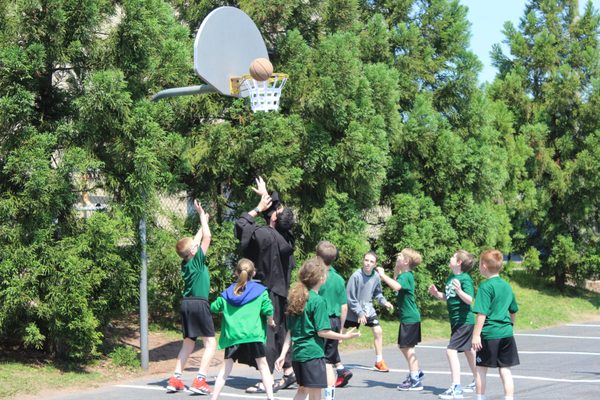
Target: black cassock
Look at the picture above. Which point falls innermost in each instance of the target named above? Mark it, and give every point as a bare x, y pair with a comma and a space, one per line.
273, 257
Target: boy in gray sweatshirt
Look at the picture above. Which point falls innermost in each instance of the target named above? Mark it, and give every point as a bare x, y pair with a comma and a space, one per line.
363, 286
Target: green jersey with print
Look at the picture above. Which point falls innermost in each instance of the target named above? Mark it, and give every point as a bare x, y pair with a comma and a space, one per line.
496, 300
334, 293
306, 344
459, 312
406, 300
195, 276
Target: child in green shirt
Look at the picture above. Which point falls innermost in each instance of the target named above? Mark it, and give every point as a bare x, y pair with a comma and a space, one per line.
246, 309
308, 326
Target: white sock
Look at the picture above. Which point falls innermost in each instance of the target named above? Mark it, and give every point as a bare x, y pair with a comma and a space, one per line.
330, 393
414, 375
480, 397
378, 357
508, 397
339, 367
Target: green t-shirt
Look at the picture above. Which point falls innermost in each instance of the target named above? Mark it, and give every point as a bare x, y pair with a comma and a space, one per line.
459, 312
245, 323
334, 293
306, 344
496, 300
406, 300
195, 276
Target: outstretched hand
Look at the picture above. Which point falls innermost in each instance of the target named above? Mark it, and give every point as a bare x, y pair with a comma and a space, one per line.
265, 202
200, 210
433, 290
261, 187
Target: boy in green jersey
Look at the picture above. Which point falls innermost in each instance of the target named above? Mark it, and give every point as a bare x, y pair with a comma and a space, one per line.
493, 338
458, 295
195, 310
308, 326
247, 310
409, 334
334, 293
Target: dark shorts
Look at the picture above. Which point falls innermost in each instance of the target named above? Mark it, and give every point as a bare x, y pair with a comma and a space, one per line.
498, 353
371, 322
460, 339
311, 373
332, 355
196, 318
409, 335
245, 351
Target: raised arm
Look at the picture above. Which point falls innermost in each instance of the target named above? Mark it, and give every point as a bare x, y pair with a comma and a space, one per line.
203, 235
388, 281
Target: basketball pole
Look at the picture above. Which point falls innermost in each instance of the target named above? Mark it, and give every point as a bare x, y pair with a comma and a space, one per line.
184, 91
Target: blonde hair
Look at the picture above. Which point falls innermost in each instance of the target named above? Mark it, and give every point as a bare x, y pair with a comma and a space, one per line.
466, 260
183, 247
413, 257
310, 275
245, 271
327, 251
492, 260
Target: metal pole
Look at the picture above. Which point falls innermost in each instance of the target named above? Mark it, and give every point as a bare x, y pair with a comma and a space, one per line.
184, 91
145, 356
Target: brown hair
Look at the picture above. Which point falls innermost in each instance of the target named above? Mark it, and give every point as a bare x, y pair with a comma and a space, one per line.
245, 271
183, 247
466, 260
312, 272
327, 251
492, 260
372, 253
414, 257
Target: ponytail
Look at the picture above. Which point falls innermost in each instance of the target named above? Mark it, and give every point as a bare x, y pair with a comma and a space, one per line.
297, 299
241, 283
311, 274
245, 271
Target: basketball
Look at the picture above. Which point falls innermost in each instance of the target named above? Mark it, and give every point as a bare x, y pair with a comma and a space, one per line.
261, 69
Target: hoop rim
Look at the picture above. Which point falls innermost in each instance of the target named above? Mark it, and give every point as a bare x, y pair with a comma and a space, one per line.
237, 81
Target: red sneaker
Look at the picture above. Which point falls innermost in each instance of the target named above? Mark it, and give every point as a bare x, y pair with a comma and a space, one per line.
343, 378
381, 366
199, 386
175, 385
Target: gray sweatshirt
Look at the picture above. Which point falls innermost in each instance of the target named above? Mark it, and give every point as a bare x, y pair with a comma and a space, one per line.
361, 290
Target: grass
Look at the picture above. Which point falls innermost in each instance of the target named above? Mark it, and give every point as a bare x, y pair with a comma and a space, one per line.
540, 305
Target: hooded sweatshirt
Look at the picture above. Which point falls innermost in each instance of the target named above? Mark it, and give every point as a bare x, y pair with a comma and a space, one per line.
243, 315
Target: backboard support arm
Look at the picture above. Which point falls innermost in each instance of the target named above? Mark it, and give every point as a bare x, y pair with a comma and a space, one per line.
184, 91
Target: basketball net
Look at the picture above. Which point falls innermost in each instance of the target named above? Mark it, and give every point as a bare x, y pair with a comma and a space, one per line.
264, 95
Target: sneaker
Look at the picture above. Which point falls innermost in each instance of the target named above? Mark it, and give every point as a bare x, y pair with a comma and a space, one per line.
175, 385
199, 386
470, 388
411, 384
343, 378
381, 366
453, 392
420, 378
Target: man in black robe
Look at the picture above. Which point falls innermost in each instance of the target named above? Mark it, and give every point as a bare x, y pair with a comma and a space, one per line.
271, 248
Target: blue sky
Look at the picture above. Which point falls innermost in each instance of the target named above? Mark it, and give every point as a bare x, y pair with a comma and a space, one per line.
487, 18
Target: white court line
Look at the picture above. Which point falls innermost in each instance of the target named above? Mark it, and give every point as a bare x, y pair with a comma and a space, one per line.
531, 378
558, 336
584, 325
162, 389
579, 353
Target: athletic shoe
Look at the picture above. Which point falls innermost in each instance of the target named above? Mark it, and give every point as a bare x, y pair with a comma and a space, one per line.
411, 384
175, 385
470, 388
343, 378
199, 386
453, 392
381, 366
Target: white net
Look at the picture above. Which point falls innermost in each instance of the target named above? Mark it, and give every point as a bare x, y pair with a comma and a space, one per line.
263, 95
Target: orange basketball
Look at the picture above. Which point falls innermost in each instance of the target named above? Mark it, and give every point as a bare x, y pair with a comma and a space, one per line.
261, 69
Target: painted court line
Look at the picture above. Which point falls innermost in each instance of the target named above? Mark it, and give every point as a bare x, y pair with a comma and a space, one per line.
585, 325
558, 336
578, 353
162, 389
531, 378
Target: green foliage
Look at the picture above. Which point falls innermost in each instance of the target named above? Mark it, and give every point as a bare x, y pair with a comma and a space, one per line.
531, 260
125, 356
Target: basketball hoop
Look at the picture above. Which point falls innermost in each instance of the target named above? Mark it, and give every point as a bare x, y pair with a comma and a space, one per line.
264, 95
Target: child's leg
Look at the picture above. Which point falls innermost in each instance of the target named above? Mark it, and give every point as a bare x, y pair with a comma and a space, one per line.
265, 373
223, 374
507, 381
411, 358
302, 393
187, 348
330, 391
378, 341
480, 380
314, 393
470, 356
454, 365
210, 346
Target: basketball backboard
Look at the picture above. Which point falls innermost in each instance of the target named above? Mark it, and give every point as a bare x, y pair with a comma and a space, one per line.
226, 44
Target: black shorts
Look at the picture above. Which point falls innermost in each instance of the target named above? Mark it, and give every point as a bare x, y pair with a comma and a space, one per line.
409, 335
460, 339
332, 355
245, 351
196, 318
371, 322
498, 353
311, 373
